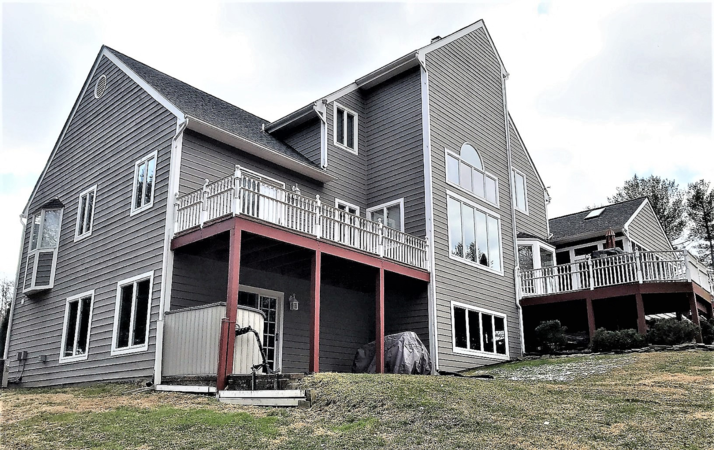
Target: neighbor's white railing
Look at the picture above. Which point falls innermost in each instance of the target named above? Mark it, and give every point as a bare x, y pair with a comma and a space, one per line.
246, 194
637, 267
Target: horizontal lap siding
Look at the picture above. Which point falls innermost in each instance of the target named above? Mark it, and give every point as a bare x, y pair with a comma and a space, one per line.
198, 281
466, 105
395, 155
646, 231
105, 138
306, 140
535, 222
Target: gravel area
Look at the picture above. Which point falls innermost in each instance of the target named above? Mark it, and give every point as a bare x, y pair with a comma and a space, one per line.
561, 369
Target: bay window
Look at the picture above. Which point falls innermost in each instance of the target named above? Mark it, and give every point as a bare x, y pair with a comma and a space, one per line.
41, 261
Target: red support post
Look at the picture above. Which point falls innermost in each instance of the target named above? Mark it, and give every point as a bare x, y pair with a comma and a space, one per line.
228, 324
591, 316
641, 324
695, 314
379, 326
315, 313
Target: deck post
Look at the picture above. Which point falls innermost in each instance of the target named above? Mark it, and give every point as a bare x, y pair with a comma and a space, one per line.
228, 324
591, 275
204, 204
641, 324
379, 325
695, 313
591, 316
638, 259
237, 184
315, 312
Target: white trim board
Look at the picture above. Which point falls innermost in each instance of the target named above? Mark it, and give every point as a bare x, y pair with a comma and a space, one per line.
68, 359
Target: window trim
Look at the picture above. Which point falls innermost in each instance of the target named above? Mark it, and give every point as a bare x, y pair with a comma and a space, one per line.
334, 128
448, 152
132, 348
535, 244
339, 202
469, 352
488, 212
67, 359
280, 296
77, 236
39, 249
384, 206
525, 191
146, 206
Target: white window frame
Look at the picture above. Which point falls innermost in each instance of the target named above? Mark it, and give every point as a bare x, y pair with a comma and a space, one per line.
132, 348
524, 210
536, 247
334, 128
280, 312
86, 234
78, 298
339, 202
144, 207
480, 353
448, 152
488, 212
39, 249
384, 206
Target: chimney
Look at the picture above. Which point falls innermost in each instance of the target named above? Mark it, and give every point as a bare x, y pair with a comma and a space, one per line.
434, 39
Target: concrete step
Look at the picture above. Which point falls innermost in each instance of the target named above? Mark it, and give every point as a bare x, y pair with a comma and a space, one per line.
288, 397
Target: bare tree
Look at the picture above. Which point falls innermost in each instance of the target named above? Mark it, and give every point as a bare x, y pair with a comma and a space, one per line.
7, 292
700, 210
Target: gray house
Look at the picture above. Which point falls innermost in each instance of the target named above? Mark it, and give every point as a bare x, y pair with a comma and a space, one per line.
393, 204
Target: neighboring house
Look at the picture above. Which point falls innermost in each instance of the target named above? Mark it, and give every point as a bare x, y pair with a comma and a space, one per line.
392, 204
648, 278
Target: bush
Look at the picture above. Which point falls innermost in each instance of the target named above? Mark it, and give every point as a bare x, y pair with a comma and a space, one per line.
605, 341
672, 332
707, 330
551, 336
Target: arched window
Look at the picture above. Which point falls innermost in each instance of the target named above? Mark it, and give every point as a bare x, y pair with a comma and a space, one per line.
466, 171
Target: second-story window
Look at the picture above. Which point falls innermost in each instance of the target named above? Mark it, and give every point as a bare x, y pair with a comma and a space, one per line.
42, 255
466, 171
474, 235
85, 213
520, 196
144, 181
345, 128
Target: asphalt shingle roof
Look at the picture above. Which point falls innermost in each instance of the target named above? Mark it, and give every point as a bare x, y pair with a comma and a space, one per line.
203, 106
614, 216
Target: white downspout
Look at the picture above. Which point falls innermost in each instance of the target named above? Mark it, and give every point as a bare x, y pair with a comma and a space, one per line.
17, 288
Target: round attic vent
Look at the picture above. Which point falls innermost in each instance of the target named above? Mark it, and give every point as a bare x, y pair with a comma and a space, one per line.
100, 87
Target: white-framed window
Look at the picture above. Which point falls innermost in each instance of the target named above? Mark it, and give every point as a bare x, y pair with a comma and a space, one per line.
41, 262
347, 207
345, 128
142, 196
132, 314
391, 214
533, 254
466, 172
77, 327
474, 234
85, 213
520, 191
479, 332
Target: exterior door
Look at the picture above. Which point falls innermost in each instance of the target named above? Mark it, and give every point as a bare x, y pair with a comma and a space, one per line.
271, 303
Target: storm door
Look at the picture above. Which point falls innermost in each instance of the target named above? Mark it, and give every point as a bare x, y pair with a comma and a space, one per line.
271, 303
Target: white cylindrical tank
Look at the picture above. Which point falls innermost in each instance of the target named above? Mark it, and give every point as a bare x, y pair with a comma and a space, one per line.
246, 352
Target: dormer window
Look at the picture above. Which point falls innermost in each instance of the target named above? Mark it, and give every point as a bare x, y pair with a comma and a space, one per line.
466, 171
345, 128
42, 255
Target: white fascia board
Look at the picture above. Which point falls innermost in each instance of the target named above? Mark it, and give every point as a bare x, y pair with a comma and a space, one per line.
637, 211
294, 118
531, 241
260, 151
384, 73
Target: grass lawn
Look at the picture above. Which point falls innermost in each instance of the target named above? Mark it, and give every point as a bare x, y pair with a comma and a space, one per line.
648, 401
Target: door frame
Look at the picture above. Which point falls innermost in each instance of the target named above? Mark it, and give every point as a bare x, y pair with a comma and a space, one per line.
279, 310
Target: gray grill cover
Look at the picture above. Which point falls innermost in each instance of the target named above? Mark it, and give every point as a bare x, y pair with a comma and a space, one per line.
403, 353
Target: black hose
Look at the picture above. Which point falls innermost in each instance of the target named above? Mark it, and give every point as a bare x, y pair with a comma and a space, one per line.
264, 365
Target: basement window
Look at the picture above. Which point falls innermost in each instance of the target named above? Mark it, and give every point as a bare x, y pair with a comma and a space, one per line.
132, 314
77, 323
478, 332
345, 128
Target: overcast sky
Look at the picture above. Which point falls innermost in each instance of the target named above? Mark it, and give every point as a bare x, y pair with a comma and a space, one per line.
599, 91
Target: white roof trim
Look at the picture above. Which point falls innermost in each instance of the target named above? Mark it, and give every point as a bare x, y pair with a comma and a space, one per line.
258, 150
637, 211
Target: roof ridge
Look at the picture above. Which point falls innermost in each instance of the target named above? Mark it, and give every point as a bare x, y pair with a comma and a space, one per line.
603, 206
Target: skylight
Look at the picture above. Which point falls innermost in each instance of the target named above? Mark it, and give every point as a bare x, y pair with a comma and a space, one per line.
594, 213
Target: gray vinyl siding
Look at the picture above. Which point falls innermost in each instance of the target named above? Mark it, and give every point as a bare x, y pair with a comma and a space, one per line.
44, 269
395, 149
406, 311
306, 140
466, 105
103, 141
536, 221
27, 265
197, 281
646, 230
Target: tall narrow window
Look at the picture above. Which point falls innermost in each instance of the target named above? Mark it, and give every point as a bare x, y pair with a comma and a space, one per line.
474, 235
478, 332
132, 314
346, 129
466, 171
85, 213
391, 214
144, 181
77, 322
520, 197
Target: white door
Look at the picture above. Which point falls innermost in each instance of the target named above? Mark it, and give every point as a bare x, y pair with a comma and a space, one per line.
271, 303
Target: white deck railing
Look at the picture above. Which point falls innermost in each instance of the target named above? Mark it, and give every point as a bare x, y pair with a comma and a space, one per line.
268, 201
637, 267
